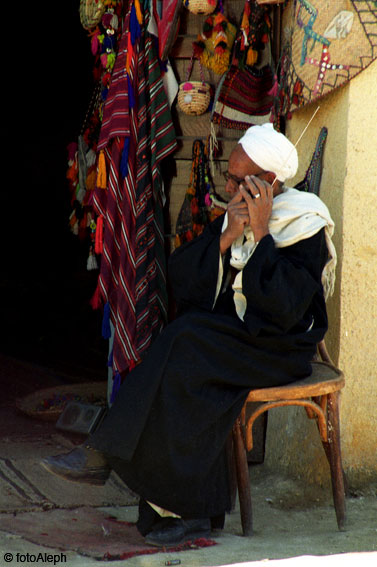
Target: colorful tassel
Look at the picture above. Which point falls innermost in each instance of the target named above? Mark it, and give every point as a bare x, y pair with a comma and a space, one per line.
114, 22
95, 301
106, 329
135, 29
129, 54
101, 174
124, 160
106, 79
109, 42
106, 19
198, 49
72, 172
110, 60
131, 96
104, 94
98, 245
94, 43
110, 359
117, 382
91, 179
91, 263
194, 206
207, 28
252, 57
274, 90
72, 149
213, 46
139, 13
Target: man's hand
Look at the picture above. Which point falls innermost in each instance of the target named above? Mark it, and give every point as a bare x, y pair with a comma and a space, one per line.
238, 218
258, 196
248, 209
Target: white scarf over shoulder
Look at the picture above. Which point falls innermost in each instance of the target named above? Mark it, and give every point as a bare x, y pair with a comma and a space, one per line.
296, 215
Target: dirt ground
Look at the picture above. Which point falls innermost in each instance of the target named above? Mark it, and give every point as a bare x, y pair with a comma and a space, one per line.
284, 528
291, 521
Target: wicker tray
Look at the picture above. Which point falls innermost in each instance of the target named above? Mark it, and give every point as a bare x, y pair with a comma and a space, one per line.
49, 403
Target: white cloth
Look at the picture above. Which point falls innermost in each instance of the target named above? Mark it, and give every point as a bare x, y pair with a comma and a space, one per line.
162, 512
296, 215
171, 85
271, 150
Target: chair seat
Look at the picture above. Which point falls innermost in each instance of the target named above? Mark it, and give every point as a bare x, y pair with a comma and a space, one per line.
319, 395
325, 379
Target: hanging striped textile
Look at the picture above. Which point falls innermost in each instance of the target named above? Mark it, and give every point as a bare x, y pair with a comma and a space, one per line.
132, 276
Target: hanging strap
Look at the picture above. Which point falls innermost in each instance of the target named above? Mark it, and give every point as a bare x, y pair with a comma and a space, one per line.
189, 69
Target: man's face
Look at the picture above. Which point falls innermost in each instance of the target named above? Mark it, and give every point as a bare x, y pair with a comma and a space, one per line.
240, 165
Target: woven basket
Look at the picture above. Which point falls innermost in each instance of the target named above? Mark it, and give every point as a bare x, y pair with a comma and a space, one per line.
49, 403
91, 12
202, 7
194, 97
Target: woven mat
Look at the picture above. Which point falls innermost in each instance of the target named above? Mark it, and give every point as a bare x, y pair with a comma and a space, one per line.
87, 531
325, 45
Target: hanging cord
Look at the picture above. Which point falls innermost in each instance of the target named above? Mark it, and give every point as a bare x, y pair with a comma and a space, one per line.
213, 147
198, 200
189, 69
93, 103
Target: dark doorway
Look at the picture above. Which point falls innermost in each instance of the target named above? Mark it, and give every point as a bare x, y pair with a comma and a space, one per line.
44, 285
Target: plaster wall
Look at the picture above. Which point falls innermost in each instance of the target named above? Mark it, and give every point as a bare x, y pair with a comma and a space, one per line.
349, 189
358, 315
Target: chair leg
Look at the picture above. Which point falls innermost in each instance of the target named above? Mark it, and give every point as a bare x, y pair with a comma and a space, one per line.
333, 452
231, 471
243, 480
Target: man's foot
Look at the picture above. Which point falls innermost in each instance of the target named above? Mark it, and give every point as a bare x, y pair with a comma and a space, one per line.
82, 464
175, 531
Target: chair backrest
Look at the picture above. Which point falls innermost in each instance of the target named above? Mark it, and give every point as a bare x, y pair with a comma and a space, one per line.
323, 354
312, 180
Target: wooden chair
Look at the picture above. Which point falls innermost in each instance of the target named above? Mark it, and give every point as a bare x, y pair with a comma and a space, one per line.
319, 395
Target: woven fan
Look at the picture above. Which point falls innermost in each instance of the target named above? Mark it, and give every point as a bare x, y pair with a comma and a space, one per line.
329, 43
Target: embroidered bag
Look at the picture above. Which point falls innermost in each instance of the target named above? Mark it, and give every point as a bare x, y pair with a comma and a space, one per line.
244, 95
244, 98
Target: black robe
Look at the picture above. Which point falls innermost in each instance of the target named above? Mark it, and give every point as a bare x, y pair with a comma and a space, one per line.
166, 432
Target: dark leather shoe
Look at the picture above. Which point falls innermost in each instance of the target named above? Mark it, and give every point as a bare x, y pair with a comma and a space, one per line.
175, 531
82, 464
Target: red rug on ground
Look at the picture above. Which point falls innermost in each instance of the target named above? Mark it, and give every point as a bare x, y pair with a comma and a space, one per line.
87, 531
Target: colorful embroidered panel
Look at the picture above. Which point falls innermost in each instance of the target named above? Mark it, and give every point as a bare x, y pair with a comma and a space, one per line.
325, 44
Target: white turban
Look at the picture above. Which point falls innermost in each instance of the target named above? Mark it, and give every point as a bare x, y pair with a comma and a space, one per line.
271, 150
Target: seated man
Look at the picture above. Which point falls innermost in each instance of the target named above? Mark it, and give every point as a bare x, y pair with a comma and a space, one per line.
250, 311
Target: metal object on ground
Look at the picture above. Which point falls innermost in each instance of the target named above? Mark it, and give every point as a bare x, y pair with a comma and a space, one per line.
80, 418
